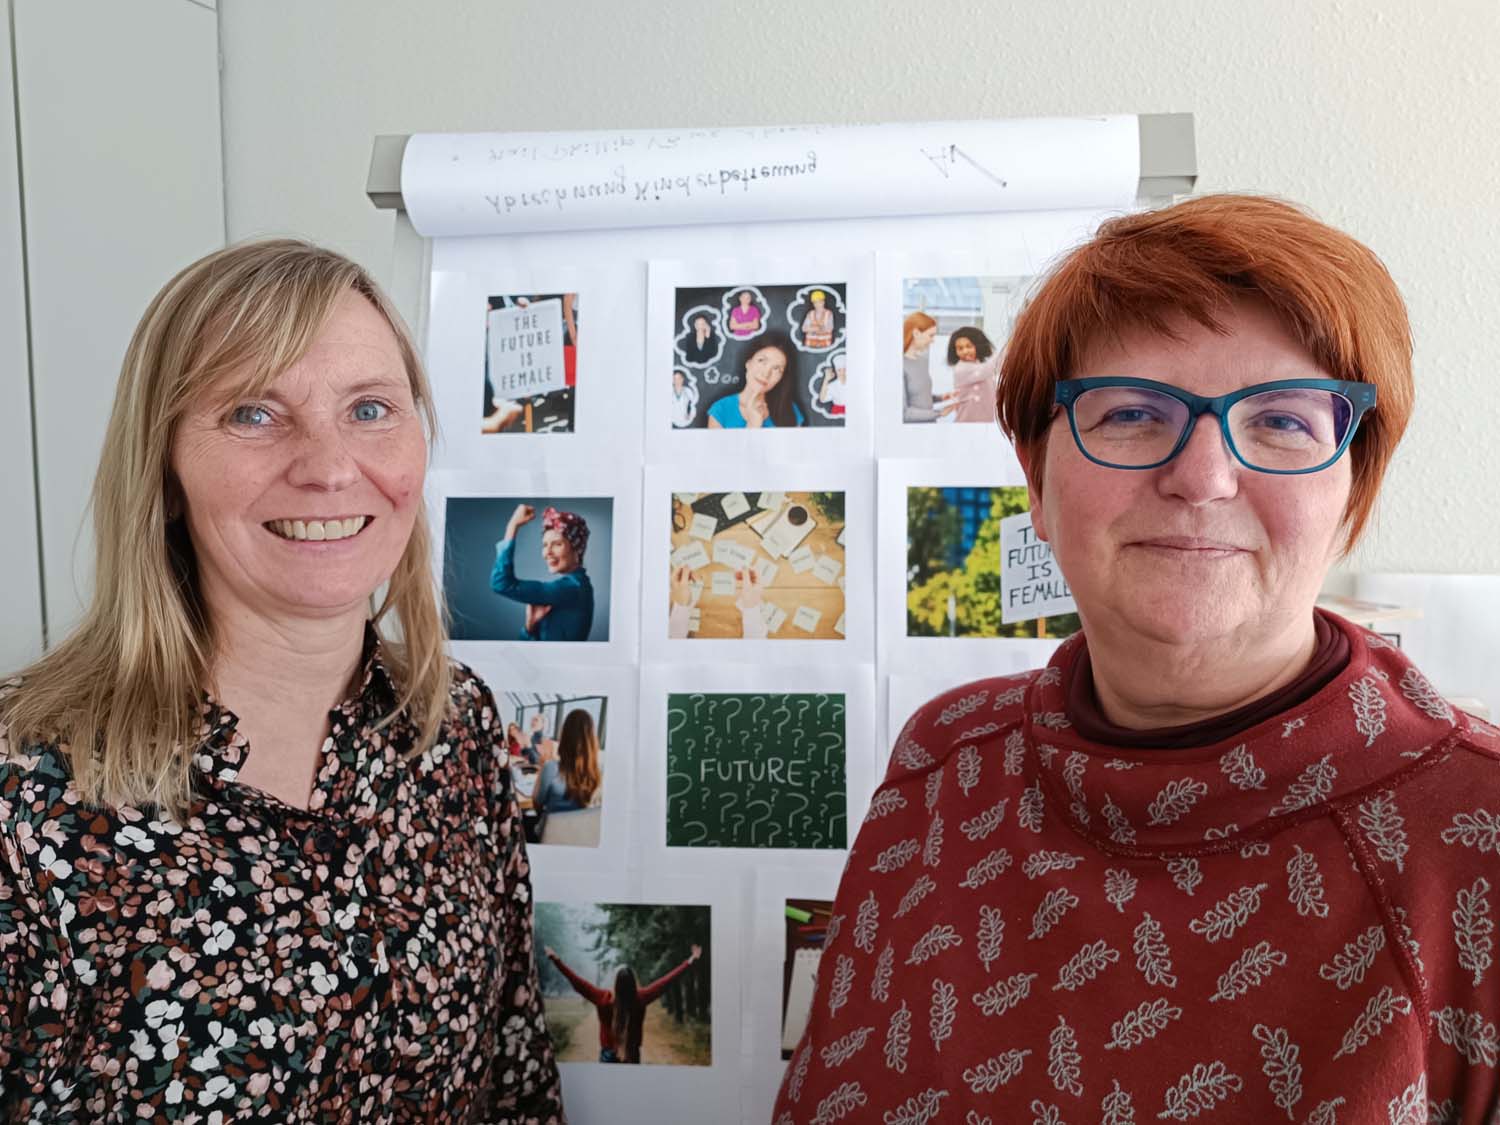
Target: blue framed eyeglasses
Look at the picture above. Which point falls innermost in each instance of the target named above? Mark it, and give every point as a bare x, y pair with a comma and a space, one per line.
1287, 426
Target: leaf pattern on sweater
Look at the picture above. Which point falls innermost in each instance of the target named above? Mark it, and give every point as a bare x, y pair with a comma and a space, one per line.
1238, 765
939, 939
840, 1103
1479, 829
961, 707
932, 847
1250, 969
988, 869
1085, 965
1472, 927
993, 1073
1185, 872
1029, 812
923, 886
845, 1047
1044, 862
1468, 1033
1063, 1059
985, 823
880, 980
1119, 887
1004, 995
1145, 1021
866, 922
1410, 1106
1305, 884
1117, 1108
943, 1011
1420, 691
884, 803
1015, 753
991, 934
968, 768
1200, 1090
917, 1109
1175, 800
1279, 1064
1369, 708
1050, 911
1120, 830
1351, 963
898, 1039
843, 981
1385, 828
1314, 783
1225, 918
895, 857
1152, 957
1380, 1011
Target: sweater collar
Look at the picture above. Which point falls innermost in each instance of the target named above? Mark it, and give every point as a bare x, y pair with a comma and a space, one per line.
1376, 718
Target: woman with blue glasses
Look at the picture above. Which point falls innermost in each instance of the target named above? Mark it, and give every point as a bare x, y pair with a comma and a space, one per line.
1227, 857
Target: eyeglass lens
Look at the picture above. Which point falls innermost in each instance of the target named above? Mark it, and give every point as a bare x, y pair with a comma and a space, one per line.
1281, 430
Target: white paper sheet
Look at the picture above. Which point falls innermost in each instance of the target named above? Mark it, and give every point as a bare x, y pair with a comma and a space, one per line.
507, 183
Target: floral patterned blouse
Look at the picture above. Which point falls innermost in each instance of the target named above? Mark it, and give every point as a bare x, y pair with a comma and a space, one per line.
367, 959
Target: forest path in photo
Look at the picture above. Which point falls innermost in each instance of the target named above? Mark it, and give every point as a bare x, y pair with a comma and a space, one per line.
664, 1041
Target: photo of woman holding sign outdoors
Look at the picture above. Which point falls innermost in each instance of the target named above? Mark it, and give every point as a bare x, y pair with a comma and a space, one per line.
530, 363
1228, 856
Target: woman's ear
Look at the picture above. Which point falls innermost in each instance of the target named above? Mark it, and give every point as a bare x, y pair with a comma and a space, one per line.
1031, 465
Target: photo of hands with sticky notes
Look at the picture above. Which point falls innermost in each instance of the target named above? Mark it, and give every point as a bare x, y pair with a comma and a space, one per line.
756, 566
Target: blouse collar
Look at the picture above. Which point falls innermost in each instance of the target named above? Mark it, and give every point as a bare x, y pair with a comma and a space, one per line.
222, 748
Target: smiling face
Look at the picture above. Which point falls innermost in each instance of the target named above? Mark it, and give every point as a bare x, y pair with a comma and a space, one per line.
745, 298
300, 502
922, 339
764, 370
963, 347
678, 381
558, 553
1202, 549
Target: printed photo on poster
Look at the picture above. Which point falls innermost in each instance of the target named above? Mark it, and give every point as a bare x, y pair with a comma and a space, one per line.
556, 745
953, 330
759, 356
530, 363
626, 982
757, 565
756, 771
806, 924
528, 568
970, 574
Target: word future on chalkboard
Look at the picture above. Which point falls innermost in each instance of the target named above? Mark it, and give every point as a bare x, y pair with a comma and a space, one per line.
756, 771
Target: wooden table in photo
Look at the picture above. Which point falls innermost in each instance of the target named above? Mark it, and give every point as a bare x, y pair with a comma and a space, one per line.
788, 590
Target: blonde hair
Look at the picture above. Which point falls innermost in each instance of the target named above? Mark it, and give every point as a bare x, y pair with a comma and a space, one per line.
123, 692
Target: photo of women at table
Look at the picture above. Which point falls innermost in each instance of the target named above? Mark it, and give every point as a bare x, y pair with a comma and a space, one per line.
558, 767
770, 366
757, 566
626, 983
528, 568
530, 363
953, 332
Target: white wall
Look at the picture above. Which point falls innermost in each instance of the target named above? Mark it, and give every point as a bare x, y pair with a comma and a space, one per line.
1379, 115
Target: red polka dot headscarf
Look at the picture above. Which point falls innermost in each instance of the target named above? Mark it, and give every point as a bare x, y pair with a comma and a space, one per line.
574, 528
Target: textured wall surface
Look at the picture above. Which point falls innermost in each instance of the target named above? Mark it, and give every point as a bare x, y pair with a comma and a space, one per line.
1378, 115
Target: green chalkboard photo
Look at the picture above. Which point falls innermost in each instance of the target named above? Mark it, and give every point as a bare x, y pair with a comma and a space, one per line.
756, 771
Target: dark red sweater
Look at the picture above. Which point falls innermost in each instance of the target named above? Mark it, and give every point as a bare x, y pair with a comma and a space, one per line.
1295, 923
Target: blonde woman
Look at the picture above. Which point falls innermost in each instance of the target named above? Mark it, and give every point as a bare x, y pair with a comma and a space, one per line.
256, 860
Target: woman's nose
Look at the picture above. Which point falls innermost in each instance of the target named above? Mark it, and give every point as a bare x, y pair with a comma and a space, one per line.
323, 460
1204, 470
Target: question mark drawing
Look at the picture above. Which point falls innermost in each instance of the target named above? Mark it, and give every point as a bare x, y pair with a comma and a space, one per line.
738, 821
699, 838
674, 796
676, 713
795, 812
754, 824
786, 714
835, 745
802, 711
771, 836
725, 800
757, 707
729, 720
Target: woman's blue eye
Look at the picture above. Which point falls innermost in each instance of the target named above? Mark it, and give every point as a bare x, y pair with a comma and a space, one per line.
370, 411
249, 414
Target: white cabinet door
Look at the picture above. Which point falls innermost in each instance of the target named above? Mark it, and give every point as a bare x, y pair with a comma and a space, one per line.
20, 570
122, 175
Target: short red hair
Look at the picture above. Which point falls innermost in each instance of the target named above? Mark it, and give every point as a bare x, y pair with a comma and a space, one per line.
1193, 258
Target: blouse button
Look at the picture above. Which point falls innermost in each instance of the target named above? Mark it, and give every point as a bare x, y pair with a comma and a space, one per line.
380, 1059
361, 945
324, 840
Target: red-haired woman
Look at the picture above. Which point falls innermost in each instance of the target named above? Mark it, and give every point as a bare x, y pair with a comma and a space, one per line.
1227, 857
570, 780
622, 1009
918, 331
